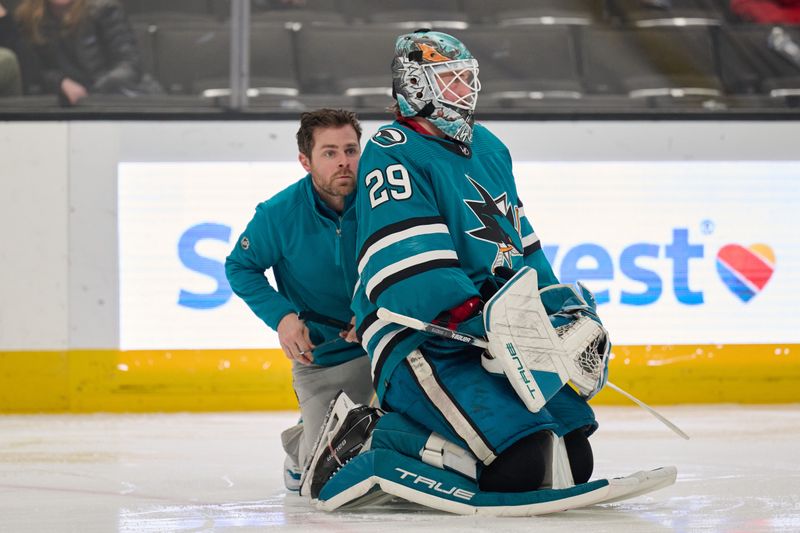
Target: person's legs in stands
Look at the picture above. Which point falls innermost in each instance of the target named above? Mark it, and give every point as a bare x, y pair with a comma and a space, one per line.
10, 76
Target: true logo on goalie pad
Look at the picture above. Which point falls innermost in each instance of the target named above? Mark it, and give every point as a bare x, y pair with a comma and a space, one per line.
522, 369
436, 485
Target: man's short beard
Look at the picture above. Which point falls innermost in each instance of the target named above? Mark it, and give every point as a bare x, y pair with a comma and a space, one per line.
339, 190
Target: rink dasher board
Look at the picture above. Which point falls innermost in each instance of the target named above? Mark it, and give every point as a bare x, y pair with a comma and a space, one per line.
378, 476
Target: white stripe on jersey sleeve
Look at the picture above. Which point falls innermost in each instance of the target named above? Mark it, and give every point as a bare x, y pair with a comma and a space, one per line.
406, 263
529, 239
371, 331
378, 353
416, 231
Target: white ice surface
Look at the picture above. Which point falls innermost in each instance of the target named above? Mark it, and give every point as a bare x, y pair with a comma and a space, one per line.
222, 472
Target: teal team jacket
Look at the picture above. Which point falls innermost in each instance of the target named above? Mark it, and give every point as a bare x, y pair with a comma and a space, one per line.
311, 250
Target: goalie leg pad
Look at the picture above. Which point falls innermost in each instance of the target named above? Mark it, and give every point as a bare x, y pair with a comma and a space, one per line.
540, 459
369, 477
399, 433
426, 485
456, 399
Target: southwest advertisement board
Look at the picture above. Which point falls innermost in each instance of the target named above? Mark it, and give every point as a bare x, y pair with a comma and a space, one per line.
676, 252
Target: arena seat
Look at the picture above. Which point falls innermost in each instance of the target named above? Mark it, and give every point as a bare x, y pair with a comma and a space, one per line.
517, 63
145, 39
670, 62
337, 59
759, 60
158, 11
412, 14
306, 12
192, 58
655, 13
537, 12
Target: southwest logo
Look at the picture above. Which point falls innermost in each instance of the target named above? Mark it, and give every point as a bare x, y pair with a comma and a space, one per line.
745, 270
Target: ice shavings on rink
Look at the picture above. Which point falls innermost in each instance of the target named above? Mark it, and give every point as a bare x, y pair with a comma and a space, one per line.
222, 472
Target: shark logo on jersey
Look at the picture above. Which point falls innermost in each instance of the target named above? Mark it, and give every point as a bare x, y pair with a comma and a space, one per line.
500, 225
389, 137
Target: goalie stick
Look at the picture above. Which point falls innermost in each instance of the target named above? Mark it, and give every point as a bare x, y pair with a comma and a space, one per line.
413, 323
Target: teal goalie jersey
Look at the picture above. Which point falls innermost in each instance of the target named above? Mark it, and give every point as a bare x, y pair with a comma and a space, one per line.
435, 219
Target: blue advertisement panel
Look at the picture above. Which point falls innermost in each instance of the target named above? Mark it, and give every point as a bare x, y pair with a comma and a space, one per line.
676, 252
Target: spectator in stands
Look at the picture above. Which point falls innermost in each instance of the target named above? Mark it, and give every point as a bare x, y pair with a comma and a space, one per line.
10, 74
767, 11
84, 47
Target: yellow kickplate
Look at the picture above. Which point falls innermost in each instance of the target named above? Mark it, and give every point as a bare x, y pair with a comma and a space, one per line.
236, 380
145, 381
735, 373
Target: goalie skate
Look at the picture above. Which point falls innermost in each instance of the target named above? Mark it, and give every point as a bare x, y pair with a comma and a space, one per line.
345, 433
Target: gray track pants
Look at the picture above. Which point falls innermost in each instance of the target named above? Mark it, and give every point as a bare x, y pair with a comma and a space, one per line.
316, 386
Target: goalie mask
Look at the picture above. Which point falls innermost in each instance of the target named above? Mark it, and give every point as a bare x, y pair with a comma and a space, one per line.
435, 77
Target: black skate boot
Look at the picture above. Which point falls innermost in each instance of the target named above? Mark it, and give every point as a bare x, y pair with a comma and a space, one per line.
345, 433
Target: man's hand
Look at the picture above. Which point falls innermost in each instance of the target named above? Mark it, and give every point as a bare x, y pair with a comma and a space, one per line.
294, 338
73, 90
349, 335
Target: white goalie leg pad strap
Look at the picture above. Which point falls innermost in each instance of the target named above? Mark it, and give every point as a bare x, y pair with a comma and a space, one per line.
559, 474
423, 373
441, 453
521, 340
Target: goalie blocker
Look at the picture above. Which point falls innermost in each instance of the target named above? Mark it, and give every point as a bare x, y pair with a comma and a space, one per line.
541, 340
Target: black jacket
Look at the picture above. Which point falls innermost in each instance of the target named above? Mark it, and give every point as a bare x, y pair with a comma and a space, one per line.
9, 37
101, 53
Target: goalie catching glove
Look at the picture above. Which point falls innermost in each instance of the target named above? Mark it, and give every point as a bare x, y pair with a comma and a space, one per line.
539, 352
